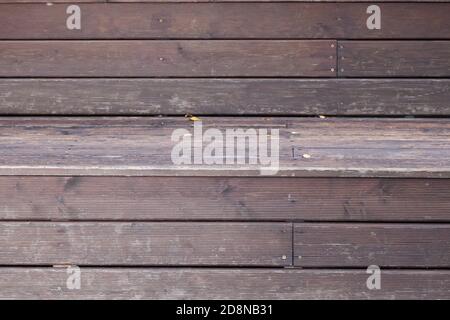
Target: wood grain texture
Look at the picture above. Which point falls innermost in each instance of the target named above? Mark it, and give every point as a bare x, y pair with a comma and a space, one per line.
217, 198
225, 96
361, 245
103, 243
398, 21
143, 146
394, 58
181, 20
205, 283
226, 21
167, 58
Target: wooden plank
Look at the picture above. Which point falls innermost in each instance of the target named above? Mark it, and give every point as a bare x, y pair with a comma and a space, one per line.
142, 147
206, 283
140, 243
218, 198
398, 21
394, 58
181, 20
225, 58
361, 245
390, 96
225, 21
225, 96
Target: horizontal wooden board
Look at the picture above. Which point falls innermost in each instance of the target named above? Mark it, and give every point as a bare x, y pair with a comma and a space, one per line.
225, 96
361, 245
205, 283
394, 58
143, 146
120, 243
225, 21
225, 58
216, 198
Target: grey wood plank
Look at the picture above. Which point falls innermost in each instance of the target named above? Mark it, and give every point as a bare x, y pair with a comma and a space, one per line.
142, 147
220, 198
225, 96
394, 58
205, 283
226, 21
361, 245
140, 243
188, 58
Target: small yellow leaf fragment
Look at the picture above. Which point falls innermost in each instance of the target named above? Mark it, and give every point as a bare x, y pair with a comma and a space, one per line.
191, 117
306, 156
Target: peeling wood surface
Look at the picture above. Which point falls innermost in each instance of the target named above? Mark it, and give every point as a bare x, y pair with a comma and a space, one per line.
361, 245
205, 283
142, 147
225, 96
226, 21
140, 243
222, 199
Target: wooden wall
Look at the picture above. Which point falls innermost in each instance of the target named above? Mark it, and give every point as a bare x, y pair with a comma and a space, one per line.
86, 177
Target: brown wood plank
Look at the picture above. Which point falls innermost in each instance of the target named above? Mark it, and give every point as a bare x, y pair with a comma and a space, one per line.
394, 58
182, 20
398, 21
361, 245
142, 147
140, 243
225, 21
206, 283
167, 58
225, 96
217, 198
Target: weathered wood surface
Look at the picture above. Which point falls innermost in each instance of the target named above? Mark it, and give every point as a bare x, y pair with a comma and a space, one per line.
167, 58
394, 58
225, 96
217, 198
361, 245
206, 283
141, 243
226, 21
143, 146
